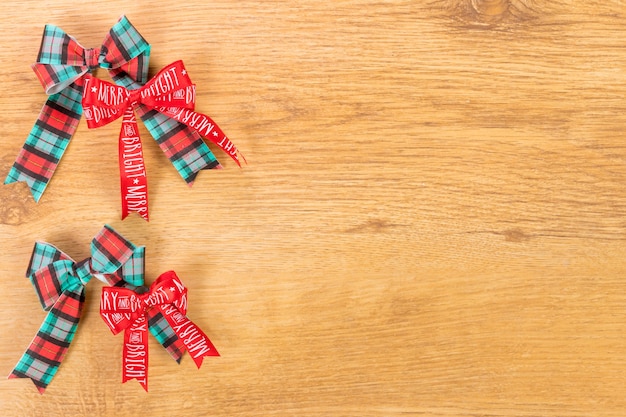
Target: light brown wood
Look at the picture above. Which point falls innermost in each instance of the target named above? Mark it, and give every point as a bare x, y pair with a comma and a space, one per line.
432, 221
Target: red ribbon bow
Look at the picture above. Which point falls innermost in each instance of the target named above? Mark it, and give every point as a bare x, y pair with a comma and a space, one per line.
125, 309
171, 93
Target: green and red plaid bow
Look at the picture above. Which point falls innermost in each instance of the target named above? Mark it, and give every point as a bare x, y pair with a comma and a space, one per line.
170, 93
61, 65
60, 284
125, 309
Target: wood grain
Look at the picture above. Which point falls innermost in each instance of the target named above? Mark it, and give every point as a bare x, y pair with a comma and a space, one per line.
432, 221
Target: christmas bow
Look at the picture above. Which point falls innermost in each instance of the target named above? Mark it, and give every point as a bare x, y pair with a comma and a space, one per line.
125, 309
171, 94
60, 283
61, 64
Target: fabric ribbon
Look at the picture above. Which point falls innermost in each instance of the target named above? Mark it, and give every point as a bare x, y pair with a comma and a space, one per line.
169, 93
61, 65
60, 282
125, 309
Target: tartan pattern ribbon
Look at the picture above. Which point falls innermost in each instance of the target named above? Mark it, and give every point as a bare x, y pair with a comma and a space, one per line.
169, 93
60, 282
61, 64
125, 309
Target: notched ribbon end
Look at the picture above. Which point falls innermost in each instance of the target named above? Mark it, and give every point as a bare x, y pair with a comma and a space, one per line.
200, 359
213, 352
40, 389
30, 184
146, 217
240, 155
144, 384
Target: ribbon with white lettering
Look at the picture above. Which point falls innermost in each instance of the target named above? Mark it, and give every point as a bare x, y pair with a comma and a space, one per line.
125, 309
170, 93
133, 181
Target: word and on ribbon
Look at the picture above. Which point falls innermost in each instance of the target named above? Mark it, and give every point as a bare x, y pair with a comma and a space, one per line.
170, 93
125, 309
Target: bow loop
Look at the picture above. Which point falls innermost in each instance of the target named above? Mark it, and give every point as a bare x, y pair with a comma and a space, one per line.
121, 46
61, 60
167, 289
104, 102
51, 281
51, 272
57, 47
43, 255
110, 251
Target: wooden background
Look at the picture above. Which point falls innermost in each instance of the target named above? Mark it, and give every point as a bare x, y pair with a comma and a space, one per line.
432, 221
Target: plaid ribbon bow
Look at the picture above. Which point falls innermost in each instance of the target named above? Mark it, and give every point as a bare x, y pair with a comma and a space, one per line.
171, 94
60, 283
125, 309
61, 65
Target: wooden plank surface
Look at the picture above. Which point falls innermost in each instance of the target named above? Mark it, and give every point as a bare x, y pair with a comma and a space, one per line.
432, 221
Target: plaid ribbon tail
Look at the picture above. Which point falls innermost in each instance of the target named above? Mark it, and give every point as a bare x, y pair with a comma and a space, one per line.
165, 335
43, 357
47, 141
181, 144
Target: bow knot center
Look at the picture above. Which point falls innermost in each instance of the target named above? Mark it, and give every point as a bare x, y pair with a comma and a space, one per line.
134, 97
82, 271
92, 57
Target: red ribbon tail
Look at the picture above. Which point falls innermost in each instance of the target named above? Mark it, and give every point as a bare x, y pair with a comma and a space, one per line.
133, 180
197, 343
226, 145
202, 347
244, 158
135, 353
206, 127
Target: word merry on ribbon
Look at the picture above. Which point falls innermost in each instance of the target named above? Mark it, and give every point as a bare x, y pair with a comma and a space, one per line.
125, 309
170, 93
60, 282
